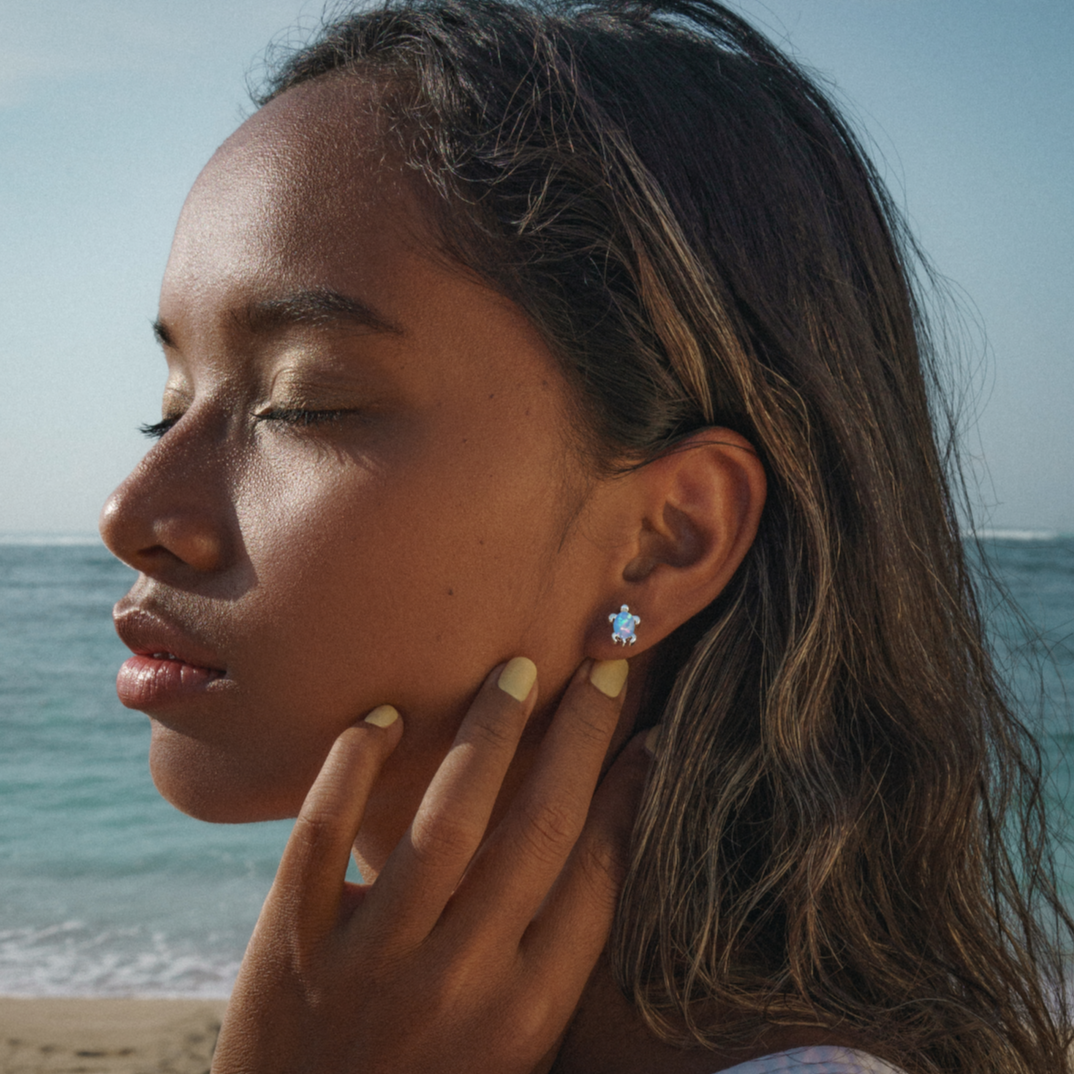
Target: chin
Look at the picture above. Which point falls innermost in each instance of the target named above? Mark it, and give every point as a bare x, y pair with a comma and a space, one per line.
206, 783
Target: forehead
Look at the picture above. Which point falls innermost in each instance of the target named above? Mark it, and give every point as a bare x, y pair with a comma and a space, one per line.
307, 179
306, 220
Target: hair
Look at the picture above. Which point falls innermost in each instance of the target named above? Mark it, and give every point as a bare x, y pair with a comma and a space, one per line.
845, 824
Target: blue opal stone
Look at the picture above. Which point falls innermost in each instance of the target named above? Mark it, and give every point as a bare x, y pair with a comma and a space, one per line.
623, 626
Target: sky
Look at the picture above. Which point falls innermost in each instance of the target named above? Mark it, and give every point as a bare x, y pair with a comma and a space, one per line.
109, 109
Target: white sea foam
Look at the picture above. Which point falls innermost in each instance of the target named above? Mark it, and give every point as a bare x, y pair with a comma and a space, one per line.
69, 959
1018, 535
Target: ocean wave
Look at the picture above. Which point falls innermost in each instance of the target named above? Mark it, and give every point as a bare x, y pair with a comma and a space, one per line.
1018, 535
69, 959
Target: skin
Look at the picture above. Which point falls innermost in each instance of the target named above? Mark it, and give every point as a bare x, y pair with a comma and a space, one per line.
349, 509
307, 558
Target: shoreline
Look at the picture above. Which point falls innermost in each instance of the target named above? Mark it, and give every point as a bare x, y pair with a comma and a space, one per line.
108, 1035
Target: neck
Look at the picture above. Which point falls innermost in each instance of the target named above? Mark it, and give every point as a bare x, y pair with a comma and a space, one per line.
609, 1036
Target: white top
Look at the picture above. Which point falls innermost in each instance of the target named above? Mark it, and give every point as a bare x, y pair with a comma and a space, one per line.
822, 1059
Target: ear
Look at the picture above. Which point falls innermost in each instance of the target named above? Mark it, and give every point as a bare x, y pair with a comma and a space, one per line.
689, 516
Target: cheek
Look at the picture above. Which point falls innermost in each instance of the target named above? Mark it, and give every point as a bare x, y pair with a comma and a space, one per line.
402, 588
401, 581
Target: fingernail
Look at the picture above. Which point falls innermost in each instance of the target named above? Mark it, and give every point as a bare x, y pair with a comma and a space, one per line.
518, 677
608, 676
652, 739
382, 716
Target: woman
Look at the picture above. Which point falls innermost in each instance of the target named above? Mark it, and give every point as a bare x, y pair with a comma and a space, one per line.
528, 338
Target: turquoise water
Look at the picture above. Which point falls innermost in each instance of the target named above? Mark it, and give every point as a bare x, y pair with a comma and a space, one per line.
105, 889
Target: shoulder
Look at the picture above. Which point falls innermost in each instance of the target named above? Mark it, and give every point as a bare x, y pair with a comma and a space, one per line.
820, 1059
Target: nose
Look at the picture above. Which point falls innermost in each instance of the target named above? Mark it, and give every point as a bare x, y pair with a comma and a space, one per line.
166, 517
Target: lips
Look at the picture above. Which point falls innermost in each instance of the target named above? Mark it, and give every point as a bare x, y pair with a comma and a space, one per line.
168, 665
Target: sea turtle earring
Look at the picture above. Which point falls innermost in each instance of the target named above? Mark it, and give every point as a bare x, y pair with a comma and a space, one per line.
623, 624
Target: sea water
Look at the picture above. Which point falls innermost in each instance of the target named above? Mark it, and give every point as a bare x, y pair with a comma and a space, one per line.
105, 889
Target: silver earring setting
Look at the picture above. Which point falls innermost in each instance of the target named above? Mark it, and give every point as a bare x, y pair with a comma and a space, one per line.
623, 624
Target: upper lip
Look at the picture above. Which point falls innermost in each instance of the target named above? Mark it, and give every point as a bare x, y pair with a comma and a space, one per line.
146, 632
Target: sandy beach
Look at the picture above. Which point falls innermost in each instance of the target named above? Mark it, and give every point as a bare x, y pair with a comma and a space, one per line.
108, 1036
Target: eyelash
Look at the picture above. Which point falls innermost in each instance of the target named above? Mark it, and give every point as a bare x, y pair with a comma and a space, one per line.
157, 429
287, 415
297, 416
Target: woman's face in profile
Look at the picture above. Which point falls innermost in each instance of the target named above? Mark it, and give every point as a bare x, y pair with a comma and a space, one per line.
366, 494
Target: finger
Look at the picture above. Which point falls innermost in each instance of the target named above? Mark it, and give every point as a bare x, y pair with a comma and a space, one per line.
577, 915
309, 881
522, 858
425, 867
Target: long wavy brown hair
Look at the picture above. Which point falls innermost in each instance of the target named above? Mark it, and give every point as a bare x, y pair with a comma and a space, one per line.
845, 824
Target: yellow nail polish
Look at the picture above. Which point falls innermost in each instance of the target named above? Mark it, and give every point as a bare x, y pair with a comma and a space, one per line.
382, 716
608, 676
518, 677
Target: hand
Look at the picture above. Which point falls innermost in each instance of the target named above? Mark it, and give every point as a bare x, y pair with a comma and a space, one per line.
471, 949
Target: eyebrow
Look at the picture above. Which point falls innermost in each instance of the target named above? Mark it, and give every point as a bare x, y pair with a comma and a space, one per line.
321, 307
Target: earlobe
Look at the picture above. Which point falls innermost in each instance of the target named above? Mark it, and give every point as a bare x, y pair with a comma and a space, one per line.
694, 513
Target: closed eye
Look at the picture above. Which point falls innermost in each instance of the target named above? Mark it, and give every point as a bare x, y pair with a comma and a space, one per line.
286, 415
299, 416
159, 428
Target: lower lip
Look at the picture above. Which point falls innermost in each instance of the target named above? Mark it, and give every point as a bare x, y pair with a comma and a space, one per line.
147, 681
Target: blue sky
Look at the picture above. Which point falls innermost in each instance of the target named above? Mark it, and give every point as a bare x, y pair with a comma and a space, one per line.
109, 108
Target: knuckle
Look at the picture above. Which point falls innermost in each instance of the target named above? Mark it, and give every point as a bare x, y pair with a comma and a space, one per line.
548, 828
451, 980
604, 863
495, 734
534, 1012
314, 830
454, 983
438, 839
594, 728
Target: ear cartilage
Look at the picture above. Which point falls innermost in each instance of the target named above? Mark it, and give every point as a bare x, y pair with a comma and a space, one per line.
623, 624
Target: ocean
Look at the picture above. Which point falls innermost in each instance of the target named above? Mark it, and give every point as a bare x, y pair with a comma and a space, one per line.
105, 889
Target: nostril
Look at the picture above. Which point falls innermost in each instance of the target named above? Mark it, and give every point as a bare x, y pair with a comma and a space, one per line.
153, 526
191, 538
